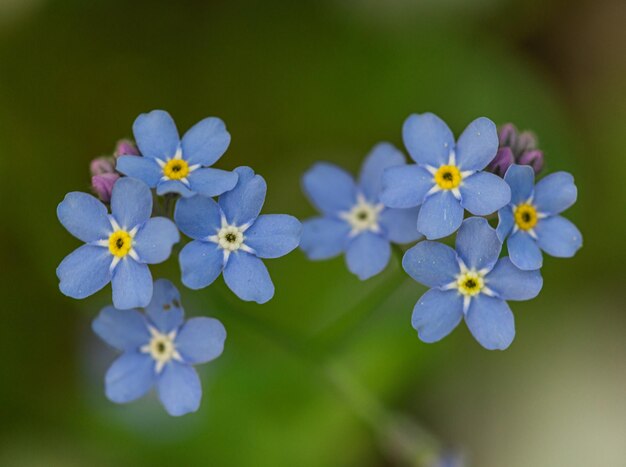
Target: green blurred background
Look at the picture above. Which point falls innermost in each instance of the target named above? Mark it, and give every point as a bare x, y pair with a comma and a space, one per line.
297, 82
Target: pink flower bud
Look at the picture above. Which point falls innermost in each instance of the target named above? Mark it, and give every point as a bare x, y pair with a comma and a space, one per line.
507, 135
102, 185
526, 141
503, 160
125, 147
102, 165
533, 158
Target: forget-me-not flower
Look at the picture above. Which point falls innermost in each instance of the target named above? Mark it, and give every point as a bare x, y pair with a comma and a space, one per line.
179, 166
470, 283
159, 349
448, 176
232, 237
118, 246
353, 219
532, 222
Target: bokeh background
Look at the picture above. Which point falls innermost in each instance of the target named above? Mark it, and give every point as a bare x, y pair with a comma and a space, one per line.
297, 82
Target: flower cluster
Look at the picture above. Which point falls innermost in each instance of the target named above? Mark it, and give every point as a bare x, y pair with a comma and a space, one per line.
121, 242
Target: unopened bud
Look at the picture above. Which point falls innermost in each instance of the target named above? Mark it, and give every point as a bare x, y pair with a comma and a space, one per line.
503, 160
125, 147
102, 185
533, 158
102, 165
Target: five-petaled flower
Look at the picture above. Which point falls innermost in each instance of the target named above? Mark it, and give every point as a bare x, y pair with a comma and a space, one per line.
179, 166
353, 218
159, 349
448, 177
118, 247
470, 283
232, 237
532, 222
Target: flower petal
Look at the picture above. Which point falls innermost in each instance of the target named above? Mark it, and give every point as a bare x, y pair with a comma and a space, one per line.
153, 242
174, 186
132, 284
436, 314
156, 135
130, 377
329, 188
200, 263
524, 252
131, 202
145, 169
558, 237
521, 180
491, 322
428, 139
477, 244
367, 255
477, 145
205, 142
84, 271
273, 235
212, 182
381, 157
400, 225
122, 329
201, 340
197, 217
511, 283
165, 310
555, 193
440, 215
484, 193
431, 263
505, 223
324, 237
179, 389
405, 186
84, 217
247, 277
243, 204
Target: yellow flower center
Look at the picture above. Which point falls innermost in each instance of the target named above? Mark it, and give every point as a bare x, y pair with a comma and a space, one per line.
176, 169
120, 243
470, 283
448, 177
525, 216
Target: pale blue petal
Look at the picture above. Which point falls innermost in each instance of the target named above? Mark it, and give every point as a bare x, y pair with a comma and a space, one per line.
555, 193
505, 223
558, 237
400, 225
484, 193
329, 188
381, 157
205, 142
436, 314
200, 263
154, 241
524, 252
122, 329
477, 145
131, 202
521, 180
243, 204
132, 284
367, 255
130, 377
440, 215
201, 340
247, 277
84, 217
405, 186
428, 139
84, 271
324, 237
273, 235
197, 217
491, 322
179, 389
173, 186
165, 310
431, 263
477, 244
156, 135
212, 182
511, 283
145, 169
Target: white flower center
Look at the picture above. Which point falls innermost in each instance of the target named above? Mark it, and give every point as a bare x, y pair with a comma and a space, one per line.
161, 348
230, 237
363, 216
469, 283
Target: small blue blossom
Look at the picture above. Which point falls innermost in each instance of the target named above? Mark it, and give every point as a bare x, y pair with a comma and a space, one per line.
159, 350
470, 283
118, 247
532, 222
179, 166
353, 219
232, 237
448, 177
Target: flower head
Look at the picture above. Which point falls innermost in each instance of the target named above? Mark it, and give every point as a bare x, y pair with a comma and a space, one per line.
172, 165
118, 246
231, 237
353, 219
159, 349
468, 283
448, 177
532, 222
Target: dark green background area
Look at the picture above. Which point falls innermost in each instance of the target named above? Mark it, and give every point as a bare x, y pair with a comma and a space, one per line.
298, 82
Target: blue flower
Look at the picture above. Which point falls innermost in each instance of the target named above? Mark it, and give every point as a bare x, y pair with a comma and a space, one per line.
175, 166
353, 219
159, 350
448, 177
532, 220
468, 283
232, 237
118, 247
